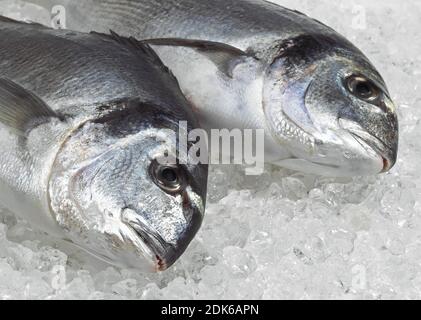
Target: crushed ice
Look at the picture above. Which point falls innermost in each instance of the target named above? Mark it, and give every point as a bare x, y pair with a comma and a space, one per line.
281, 235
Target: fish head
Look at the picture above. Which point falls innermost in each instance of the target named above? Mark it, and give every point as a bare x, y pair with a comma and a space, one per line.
121, 191
330, 108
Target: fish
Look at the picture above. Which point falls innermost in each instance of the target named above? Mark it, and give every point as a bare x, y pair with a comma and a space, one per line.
88, 128
324, 107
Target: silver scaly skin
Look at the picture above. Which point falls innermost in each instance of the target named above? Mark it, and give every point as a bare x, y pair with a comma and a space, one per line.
325, 108
84, 120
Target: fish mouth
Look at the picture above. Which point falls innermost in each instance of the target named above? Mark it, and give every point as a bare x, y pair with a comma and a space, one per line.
165, 254
386, 165
376, 145
370, 143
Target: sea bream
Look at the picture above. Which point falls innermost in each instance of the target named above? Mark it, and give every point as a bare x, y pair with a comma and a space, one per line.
86, 134
254, 64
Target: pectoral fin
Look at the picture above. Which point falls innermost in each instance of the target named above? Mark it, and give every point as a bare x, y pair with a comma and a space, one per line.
224, 56
20, 109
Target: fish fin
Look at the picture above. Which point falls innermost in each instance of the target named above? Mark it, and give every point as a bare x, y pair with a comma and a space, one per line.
6, 19
299, 13
224, 56
32, 23
20, 108
140, 48
284, 8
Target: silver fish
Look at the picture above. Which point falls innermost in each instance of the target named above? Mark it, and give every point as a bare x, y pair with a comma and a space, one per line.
86, 124
253, 64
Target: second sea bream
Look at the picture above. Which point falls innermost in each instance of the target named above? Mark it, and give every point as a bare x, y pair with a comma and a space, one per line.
86, 122
253, 64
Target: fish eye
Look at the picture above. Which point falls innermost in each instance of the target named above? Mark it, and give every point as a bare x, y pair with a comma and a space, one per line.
170, 178
363, 88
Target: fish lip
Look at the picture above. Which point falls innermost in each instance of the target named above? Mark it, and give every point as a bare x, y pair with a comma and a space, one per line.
164, 253
387, 153
387, 164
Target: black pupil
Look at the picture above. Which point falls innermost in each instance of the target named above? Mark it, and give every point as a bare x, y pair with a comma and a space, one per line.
364, 89
169, 175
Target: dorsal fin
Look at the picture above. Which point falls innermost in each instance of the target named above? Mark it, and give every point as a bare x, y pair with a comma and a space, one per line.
143, 50
10, 20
